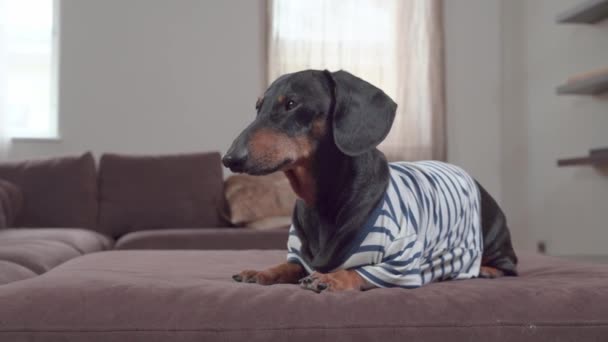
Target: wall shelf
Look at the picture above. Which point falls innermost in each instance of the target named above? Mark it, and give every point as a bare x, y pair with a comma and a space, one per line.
590, 83
589, 12
596, 157
595, 85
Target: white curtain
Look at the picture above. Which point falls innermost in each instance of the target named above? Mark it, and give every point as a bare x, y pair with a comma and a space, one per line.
4, 140
394, 44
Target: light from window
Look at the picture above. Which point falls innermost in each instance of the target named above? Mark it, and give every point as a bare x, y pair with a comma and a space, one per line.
393, 44
28, 59
358, 35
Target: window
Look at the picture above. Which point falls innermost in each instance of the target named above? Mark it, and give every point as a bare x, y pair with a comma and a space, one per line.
393, 44
359, 36
28, 68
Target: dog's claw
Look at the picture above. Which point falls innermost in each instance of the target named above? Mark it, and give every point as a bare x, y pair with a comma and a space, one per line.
237, 277
312, 283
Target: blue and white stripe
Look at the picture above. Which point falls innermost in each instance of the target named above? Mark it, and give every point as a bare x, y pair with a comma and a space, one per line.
427, 228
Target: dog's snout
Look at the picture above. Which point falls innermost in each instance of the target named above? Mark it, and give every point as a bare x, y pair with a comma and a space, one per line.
235, 159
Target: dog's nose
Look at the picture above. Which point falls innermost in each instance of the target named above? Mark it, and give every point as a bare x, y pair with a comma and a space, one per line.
235, 159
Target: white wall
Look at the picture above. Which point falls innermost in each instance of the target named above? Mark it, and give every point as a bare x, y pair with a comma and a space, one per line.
525, 123
514, 138
567, 206
473, 82
155, 76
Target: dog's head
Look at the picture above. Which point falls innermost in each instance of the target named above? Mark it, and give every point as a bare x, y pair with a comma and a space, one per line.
299, 110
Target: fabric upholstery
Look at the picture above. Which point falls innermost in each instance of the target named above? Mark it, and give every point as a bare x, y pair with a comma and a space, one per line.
57, 192
190, 296
252, 198
159, 192
84, 241
10, 272
273, 222
36, 255
3, 217
11, 202
207, 239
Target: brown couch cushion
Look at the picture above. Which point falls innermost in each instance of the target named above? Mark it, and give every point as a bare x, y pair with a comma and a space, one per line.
253, 198
85, 241
156, 192
222, 238
58, 192
190, 296
10, 272
3, 218
36, 255
11, 203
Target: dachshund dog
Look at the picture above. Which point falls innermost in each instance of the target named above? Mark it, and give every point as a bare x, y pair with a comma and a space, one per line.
361, 222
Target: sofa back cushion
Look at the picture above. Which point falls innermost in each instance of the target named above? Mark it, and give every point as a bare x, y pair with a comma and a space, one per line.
11, 202
159, 192
57, 192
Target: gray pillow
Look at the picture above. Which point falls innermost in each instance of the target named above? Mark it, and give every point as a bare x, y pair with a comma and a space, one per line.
160, 192
58, 192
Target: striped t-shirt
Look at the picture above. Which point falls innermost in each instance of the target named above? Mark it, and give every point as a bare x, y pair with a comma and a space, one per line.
426, 228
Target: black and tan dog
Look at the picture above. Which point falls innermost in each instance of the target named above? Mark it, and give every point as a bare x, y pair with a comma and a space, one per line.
322, 129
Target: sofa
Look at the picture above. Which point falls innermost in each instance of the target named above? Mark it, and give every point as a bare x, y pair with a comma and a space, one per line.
108, 254
57, 209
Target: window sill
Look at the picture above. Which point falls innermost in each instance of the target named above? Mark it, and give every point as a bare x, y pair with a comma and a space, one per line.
35, 140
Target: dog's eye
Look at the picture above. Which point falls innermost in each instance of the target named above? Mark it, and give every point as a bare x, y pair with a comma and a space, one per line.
290, 104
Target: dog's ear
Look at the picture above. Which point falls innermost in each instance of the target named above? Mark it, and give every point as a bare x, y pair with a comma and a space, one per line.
362, 113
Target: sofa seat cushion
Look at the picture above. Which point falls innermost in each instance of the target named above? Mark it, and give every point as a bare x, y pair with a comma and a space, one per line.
36, 255
83, 240
190, 296
160, 192
10, 272
205, 238
57, 192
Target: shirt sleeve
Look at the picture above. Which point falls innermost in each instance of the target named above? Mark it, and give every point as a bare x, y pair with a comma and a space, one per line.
294, 254
400, 267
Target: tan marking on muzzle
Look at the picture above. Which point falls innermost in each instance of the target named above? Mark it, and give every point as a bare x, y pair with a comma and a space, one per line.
270, 147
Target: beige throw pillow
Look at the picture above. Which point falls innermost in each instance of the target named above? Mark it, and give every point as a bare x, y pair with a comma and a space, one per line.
253, 198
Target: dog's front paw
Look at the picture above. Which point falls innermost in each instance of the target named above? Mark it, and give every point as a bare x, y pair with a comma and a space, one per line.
315, 282
337, 281
251, 276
